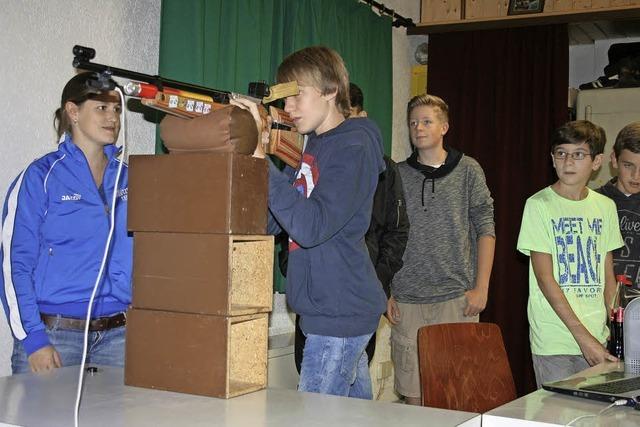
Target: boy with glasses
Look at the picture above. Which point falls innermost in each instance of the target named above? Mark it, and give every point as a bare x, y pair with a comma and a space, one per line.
569, 232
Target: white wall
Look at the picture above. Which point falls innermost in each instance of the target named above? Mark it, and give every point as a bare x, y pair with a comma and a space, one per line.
36, 39
403, 47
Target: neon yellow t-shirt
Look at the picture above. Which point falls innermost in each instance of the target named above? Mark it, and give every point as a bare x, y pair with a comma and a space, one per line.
578, 235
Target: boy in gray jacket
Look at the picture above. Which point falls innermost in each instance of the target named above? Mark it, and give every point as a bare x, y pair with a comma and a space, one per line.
449, 254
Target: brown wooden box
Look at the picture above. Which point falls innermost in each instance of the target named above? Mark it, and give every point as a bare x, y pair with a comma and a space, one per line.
440, 10
485, 8
198, 193
198, 354
203, 273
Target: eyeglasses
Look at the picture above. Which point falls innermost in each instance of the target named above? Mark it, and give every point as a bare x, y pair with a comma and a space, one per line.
413, 124
576, 155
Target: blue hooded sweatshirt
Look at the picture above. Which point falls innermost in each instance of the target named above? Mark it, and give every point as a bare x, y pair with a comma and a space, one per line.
331, 282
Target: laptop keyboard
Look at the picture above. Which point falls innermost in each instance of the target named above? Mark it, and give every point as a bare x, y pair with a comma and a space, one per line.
615, 387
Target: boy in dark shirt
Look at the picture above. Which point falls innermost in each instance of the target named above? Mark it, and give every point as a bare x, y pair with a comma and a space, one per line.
325, 208
625, 191
388, 232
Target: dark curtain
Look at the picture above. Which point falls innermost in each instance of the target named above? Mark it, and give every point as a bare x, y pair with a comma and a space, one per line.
507, 91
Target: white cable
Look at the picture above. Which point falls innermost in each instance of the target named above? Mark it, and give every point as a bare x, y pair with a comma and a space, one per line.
104, 258
619, 402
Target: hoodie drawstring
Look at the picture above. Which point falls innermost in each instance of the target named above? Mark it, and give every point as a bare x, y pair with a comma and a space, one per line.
433, 187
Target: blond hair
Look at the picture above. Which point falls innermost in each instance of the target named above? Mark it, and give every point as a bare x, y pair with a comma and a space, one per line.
430, 101
320, 67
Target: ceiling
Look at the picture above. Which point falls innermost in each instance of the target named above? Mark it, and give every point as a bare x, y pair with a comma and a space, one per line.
588, 32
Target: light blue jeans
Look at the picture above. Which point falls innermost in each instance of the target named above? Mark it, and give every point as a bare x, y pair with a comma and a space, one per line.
103, 348
338, 366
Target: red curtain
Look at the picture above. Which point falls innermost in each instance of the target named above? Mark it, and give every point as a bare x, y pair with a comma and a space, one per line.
507, 91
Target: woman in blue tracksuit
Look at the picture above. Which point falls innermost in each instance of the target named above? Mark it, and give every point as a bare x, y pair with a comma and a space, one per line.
55, 224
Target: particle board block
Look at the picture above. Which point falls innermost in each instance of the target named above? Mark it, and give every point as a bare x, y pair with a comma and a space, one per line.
217, 356
213, 274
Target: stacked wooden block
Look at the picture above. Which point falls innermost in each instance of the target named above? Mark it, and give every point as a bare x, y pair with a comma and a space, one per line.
202, 274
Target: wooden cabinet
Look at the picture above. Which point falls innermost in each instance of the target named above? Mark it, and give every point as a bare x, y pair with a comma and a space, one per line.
217, 274
202, 274
485, 8
441, 10
219, 356
198, 193
578, 5
461, 15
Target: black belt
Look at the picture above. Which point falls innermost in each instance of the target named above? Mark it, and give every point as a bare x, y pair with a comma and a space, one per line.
97, 324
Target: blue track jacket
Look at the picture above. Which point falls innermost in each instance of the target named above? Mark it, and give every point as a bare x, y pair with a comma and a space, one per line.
55, 224
331, 281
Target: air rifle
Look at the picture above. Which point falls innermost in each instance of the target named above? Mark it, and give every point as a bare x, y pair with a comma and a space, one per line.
189, 101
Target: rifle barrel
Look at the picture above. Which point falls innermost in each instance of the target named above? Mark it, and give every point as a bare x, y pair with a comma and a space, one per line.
219, 96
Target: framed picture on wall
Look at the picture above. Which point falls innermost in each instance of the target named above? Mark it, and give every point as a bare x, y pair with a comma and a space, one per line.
520, 7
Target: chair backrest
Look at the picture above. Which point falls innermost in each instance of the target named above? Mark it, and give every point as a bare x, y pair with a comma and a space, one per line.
464, 366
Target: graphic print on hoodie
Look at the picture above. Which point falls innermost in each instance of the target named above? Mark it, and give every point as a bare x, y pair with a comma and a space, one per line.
305, 181
626, 260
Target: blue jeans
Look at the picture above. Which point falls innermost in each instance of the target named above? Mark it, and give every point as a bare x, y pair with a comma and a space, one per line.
103, 348
338, 366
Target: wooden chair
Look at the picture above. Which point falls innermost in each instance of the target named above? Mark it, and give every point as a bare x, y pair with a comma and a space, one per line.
464, 366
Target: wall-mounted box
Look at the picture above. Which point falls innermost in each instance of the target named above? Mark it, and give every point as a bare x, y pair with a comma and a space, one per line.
215, 274
198, 193
214, 356
485, 8
440, 10
441, 16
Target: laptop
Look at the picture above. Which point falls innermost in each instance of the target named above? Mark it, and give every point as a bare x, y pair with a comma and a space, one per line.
604, 386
